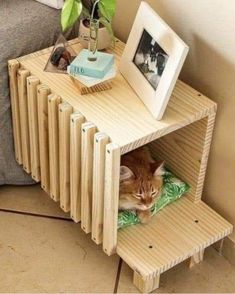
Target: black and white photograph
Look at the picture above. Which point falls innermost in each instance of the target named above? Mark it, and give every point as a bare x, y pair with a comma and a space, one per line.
150, 59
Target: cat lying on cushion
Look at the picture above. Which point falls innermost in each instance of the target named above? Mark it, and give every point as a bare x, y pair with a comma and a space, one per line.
140, 182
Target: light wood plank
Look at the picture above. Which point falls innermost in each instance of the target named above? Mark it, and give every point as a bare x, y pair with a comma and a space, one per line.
121, 106
77, 119
24, 121
173, 235
13, 66
83, 90
100, 142
32, 83
65, 110
53, 122
42, 96
88, 132
146, 286
186, 152
111, 198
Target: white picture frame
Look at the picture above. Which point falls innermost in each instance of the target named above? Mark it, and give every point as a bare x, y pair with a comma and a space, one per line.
153, 87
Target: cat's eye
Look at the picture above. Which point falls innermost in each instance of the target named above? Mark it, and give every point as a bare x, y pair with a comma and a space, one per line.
154, 192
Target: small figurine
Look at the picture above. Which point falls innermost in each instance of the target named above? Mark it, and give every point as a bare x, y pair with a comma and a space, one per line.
55, 58
61, 58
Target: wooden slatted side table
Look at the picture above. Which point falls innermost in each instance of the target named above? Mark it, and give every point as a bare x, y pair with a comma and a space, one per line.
73, 145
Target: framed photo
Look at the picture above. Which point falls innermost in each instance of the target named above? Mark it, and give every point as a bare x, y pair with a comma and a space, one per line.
152, 59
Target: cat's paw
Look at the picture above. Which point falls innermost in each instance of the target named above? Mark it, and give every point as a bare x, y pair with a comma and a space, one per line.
144, 216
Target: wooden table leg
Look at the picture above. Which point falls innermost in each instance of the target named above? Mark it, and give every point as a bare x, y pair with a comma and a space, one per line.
219, 246
196, 258
146, 286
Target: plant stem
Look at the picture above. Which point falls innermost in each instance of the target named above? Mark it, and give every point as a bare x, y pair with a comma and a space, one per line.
93, 8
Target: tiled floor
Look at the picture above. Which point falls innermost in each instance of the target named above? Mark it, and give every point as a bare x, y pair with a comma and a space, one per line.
39, 253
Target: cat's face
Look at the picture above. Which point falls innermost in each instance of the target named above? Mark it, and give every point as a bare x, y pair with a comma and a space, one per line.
142, 190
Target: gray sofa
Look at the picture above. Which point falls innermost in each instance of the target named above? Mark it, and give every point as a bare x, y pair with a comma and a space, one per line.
25, 26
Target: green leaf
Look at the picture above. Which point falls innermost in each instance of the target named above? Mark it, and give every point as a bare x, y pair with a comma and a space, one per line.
86, 12
107, 8
173, 188
70, 13
108, 27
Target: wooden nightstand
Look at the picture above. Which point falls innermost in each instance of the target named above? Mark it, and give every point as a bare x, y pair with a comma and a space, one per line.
73, 144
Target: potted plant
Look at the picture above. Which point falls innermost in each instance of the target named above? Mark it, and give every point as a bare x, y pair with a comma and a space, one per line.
96, 21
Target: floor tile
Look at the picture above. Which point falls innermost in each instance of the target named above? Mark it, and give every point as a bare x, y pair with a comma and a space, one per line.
29, 199
49, 255
214, 275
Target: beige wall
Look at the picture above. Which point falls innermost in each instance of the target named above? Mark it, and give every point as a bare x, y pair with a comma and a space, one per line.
208, 27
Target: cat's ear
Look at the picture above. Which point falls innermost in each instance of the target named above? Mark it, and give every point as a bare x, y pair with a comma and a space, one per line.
126, 174
158, 168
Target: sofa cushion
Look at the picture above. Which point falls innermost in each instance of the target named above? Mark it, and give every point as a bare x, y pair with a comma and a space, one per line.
25, 26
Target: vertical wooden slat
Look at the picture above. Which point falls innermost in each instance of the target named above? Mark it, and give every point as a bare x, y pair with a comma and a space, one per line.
111, 198
53, 122
32, 83
205, 155
24, 121
13, 66
65, 110
42, 96
100, 142
88, 132
76, 122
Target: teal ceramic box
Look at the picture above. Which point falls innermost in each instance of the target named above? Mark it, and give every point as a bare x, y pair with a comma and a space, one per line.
97, 69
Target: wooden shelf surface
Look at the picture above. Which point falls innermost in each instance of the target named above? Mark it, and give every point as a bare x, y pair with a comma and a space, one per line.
119, 112
176, 233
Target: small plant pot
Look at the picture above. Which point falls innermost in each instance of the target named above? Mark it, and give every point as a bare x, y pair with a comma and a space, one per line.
104, 40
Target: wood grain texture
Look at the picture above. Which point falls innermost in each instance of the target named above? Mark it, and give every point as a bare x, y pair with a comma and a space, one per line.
182, 138
88, 132
53, 123
121, 106
186, 152
100, 142
22, 75
176, 233
77, 119
32, 83
196, 258
205, 155
146, 286
42, 96
83, 90
111, 198
65, 110
13, 66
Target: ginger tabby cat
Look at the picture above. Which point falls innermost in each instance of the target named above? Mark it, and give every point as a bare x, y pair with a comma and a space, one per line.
140, 182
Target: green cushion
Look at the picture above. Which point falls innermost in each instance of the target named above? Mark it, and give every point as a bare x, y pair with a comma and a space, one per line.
172, 189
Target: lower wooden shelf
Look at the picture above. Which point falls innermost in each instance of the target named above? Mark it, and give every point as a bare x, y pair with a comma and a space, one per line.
176, 233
